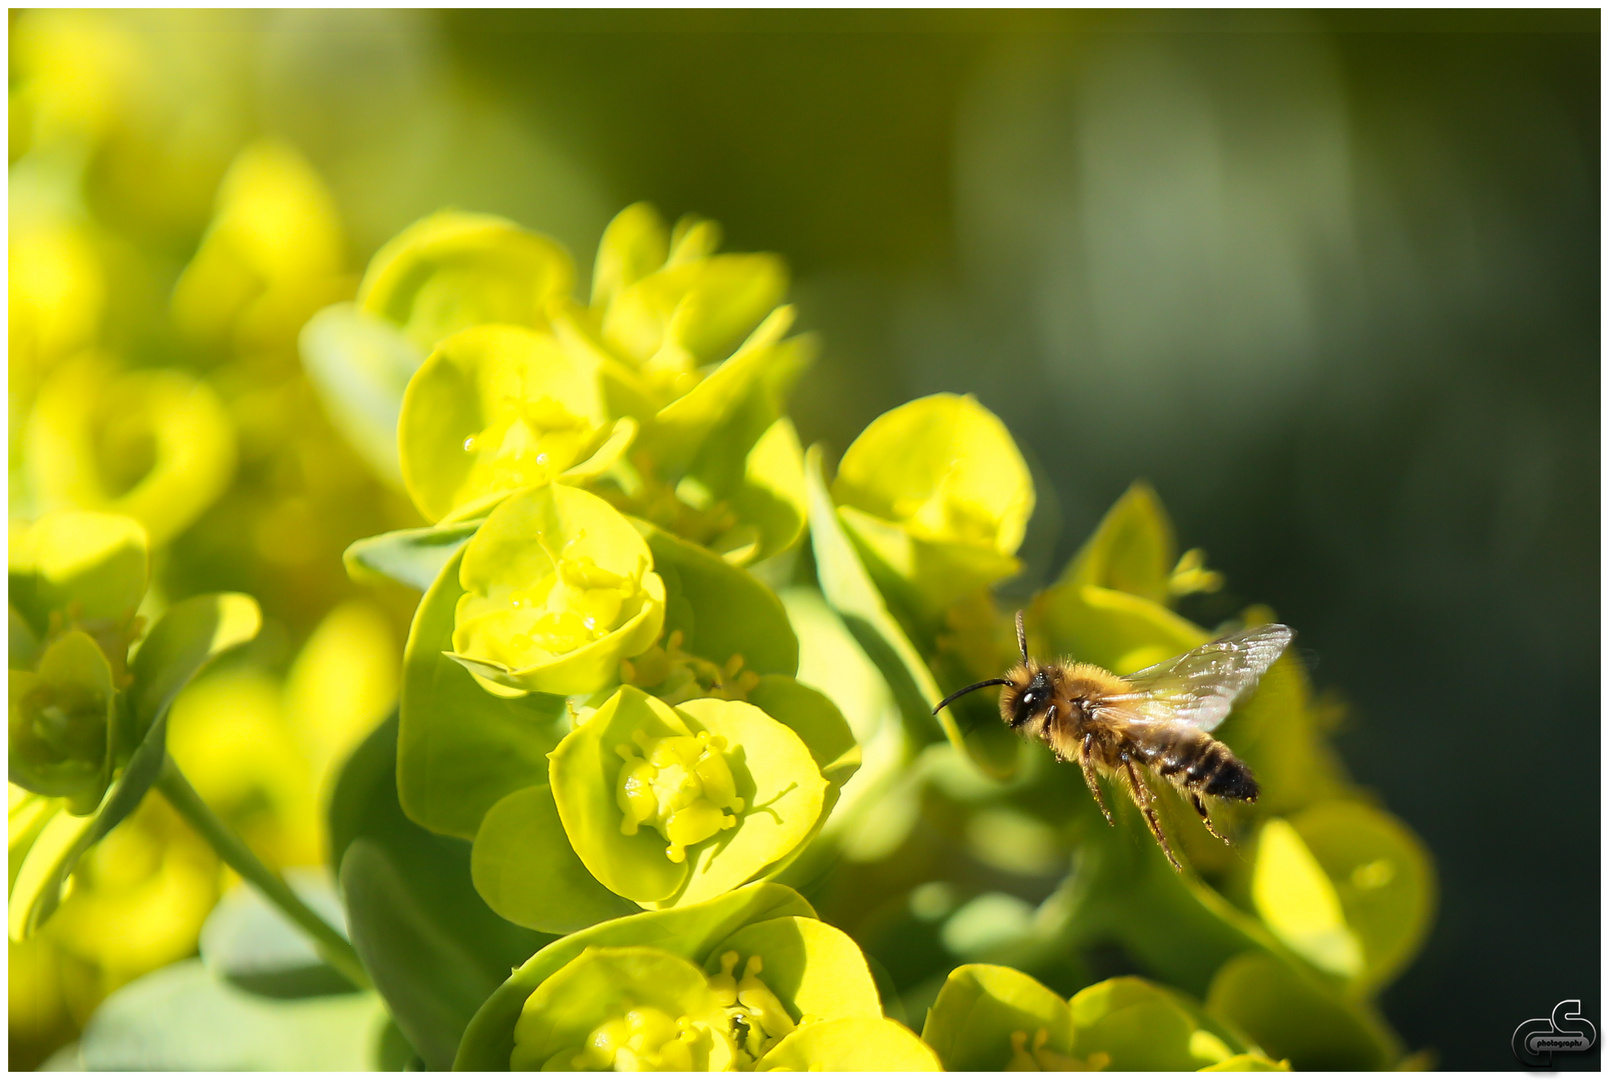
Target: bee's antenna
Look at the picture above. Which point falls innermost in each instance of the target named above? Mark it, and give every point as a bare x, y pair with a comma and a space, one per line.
1022, 638
968, 690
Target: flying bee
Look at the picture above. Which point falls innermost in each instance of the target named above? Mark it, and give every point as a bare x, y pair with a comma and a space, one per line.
1158, 718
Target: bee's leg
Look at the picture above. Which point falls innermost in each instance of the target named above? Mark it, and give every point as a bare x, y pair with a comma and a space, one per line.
1086, 758
1142, 799
1201, 808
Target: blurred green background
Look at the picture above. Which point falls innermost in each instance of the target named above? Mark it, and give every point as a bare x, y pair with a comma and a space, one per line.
1329, 281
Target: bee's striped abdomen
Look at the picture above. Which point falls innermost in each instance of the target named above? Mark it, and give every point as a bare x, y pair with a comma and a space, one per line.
1196, 761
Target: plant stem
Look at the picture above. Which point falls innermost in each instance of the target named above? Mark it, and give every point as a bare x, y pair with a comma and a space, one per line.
335, 949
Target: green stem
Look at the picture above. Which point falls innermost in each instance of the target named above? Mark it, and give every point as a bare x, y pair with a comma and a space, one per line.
335, 949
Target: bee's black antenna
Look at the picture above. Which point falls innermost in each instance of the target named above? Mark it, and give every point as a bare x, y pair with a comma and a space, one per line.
968, 690
1022, 638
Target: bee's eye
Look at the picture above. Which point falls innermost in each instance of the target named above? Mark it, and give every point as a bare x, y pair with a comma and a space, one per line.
1030, 702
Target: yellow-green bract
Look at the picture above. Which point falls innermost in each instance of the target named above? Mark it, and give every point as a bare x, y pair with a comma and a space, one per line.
558, 589
990, 1018
703, 768
938, 497
659, 806
86, 733
494, 409
748, 980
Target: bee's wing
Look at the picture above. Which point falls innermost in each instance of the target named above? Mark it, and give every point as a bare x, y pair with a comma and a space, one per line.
1199, 687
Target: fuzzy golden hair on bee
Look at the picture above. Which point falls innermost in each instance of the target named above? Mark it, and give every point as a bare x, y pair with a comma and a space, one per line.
1154, 721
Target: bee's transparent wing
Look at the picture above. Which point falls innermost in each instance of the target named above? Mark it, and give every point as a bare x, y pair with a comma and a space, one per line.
1200, 687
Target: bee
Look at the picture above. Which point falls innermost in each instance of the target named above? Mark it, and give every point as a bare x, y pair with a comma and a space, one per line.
1158, 719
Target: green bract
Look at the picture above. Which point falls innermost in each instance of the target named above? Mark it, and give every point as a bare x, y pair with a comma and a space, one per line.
558, 589
669, 304
494, 409
716, 461
455, 270
1297, 1017
62, 724
1346, 887
747, 980
86, 733
986, 1016
96, 564
993, 1018
655, 806
642, 789
937, 496
1133, 550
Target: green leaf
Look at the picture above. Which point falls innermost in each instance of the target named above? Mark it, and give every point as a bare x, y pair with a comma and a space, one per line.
36, 888
460, 748
847, 586
1295, 898
1132, 550
982, 1006
752, 463
526, 871
453, 270
360, 365
249, 943
720, 609
28, 815
1382, 876
853, 1044
187, 636
413, 557
432, 947
1173, 924
182, 1018
1298, 1018
689, 932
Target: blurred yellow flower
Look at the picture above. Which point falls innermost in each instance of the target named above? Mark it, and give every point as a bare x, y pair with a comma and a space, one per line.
155, 445
271, 257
